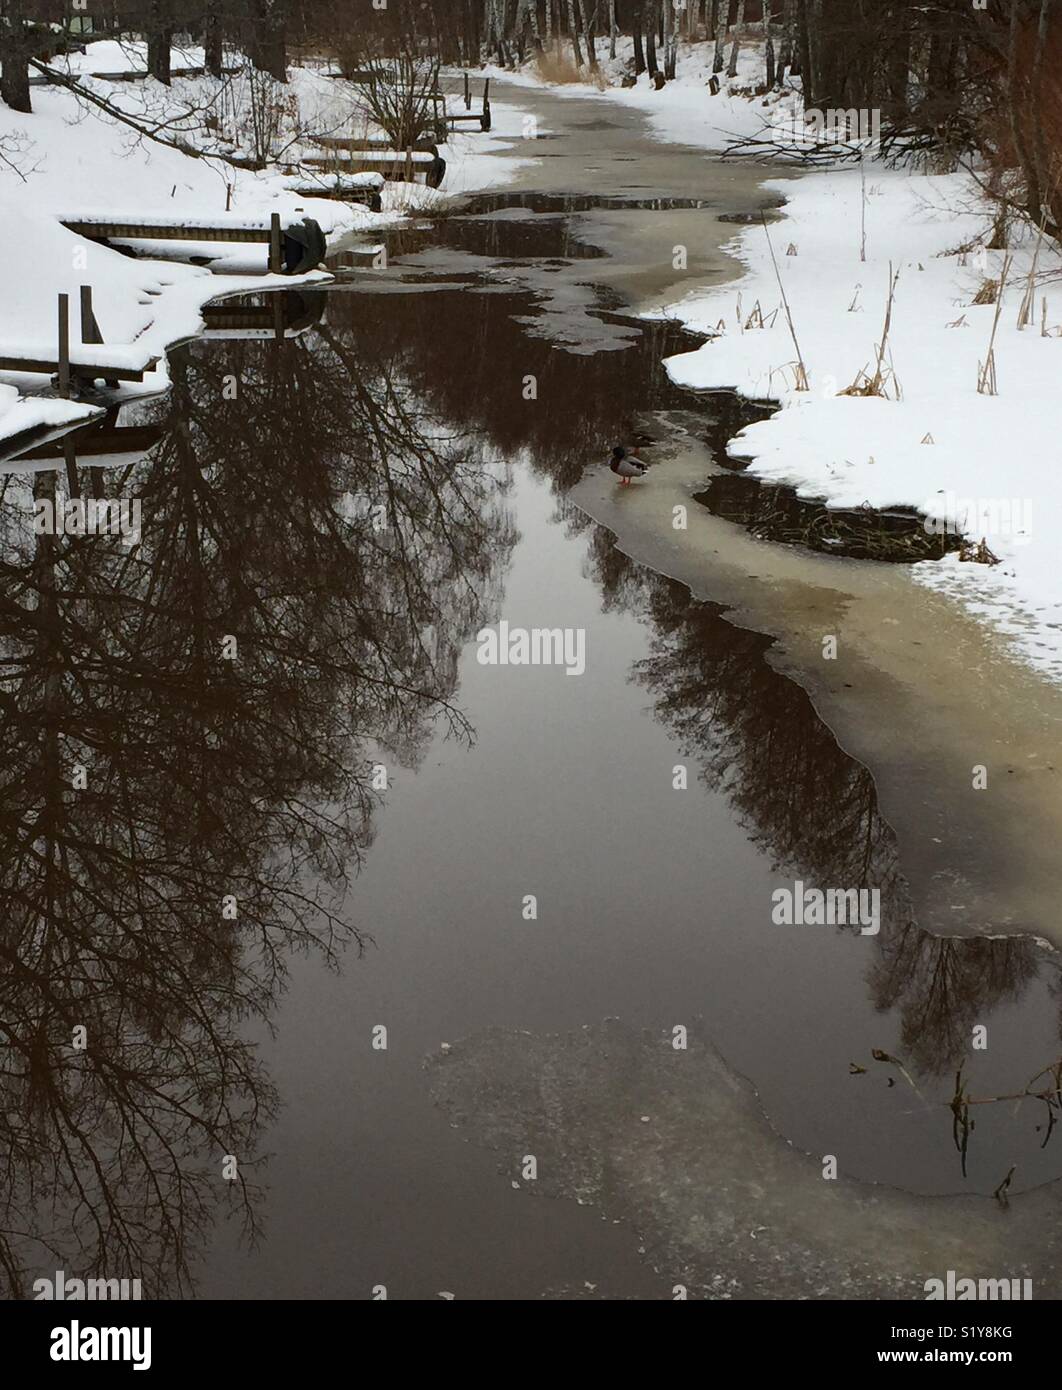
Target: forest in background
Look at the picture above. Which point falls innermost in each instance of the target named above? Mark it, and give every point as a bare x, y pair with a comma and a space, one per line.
949, 77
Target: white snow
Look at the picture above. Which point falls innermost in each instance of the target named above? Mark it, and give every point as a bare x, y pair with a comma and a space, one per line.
990, 470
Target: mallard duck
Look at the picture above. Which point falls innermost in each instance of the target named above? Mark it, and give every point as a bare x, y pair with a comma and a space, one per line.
626, 466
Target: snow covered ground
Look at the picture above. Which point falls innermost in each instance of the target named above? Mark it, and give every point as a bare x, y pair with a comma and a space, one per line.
69, 157
982, 465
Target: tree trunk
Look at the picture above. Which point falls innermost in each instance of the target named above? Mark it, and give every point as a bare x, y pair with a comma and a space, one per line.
639, 55
732, 69
15, 51
1033, 191
574, 32
650, 39
768, 44
213, 52
803, 45
613, 29
722, 24
267, 44
588, 35
158, 55
898, 63
785, 55
1036, 106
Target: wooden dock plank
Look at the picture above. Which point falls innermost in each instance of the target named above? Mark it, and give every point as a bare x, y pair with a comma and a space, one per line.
147, 231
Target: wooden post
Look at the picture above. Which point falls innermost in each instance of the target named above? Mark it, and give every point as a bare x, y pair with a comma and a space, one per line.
274, 243
90, 329
409, 164
468, 94
64, 346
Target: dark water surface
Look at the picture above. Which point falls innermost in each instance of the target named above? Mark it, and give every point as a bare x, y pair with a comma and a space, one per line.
251, 769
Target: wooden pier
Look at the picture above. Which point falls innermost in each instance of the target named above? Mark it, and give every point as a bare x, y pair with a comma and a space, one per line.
293, 248
43, 79
90, 361
454, 118
407, 166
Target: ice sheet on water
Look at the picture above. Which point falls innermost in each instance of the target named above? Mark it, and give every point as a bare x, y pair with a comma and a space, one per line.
721, 1203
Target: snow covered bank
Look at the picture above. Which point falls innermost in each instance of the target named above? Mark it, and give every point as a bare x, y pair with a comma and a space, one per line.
69, 157
982, 464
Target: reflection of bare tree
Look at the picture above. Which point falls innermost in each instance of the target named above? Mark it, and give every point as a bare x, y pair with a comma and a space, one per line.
583, 404
759, 740
947, 984
206, 779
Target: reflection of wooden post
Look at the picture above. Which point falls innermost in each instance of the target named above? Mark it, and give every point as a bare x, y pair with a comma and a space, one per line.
64, 345
278, 315
274, 243
73, 486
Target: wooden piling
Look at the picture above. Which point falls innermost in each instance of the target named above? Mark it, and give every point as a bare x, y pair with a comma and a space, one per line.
90, 329
73, 484
64, 346
274, 243
409, 164
468, 94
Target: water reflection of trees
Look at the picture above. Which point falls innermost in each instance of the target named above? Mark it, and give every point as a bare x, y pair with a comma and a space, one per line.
754, 732
814, 809
206, 777
470, 358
